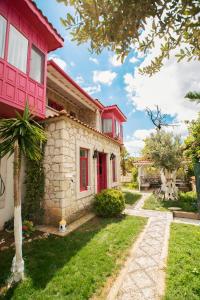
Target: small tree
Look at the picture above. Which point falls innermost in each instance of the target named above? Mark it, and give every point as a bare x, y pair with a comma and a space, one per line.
164, 149
20, 136
192, 150
126, 161
157, 117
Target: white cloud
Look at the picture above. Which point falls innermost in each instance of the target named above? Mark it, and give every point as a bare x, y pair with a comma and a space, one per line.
104, 77
133, 60
79, 79
142, 134
94, 60
134, 147
135, 143
115, 60
93, 89
166, 88
59, 61
72, 64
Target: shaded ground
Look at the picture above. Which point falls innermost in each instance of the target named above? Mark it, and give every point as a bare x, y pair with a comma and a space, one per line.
187, 202
7, 238
183, 271
76, 266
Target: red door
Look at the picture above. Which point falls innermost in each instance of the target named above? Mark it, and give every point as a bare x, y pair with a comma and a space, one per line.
101, 172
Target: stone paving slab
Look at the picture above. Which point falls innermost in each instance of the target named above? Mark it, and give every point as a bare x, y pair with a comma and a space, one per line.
187, 221
143, 276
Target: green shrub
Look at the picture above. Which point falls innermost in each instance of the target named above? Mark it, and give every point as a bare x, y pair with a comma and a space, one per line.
109, 203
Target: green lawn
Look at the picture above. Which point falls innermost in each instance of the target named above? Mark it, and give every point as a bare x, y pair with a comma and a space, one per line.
183, 271
131, 198
130, 185
74, 267
187, 202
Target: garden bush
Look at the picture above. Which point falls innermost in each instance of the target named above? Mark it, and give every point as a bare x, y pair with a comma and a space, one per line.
109, 203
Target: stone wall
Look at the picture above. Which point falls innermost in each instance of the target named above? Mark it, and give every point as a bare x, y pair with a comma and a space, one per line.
63, 198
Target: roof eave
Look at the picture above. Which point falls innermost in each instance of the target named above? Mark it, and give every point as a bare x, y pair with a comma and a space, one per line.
68, 78
58, 40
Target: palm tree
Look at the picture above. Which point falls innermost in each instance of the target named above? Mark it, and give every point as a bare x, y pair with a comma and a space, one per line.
193, 96
21, 136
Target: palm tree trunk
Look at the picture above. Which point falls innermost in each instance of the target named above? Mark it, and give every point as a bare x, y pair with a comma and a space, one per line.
18, 262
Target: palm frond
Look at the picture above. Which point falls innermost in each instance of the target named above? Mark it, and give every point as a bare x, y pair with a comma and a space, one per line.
193, 96
26, 131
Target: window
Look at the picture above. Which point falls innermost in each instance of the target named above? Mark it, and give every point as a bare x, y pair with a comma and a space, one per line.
37, 65
114, 169
17, 49
117, 128
107, 125
121, 131
3, 24
83, 169
55, 105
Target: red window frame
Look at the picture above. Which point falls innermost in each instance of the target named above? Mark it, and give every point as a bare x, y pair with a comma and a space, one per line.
85, 159
114, 169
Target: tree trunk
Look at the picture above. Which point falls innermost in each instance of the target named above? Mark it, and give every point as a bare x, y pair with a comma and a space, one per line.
168, 186
197, 179
18, 262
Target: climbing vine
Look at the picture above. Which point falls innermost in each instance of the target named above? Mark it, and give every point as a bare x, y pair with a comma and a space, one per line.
33, 205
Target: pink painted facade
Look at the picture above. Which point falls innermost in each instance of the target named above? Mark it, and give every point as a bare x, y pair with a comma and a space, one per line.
116, 118
38, 36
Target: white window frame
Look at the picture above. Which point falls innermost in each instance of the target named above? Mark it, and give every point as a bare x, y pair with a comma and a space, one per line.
32, 73
3, 28
15, 50
105, 126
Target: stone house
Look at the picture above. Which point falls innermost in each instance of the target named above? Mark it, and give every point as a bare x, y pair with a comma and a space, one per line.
82, 154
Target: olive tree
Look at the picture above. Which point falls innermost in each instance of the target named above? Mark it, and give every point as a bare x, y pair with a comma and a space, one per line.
121, 25
164, 150
192, 150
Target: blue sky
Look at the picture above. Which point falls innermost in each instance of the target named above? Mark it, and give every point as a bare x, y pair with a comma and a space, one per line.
113, 83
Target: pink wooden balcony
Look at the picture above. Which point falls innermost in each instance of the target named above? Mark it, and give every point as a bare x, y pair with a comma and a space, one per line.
26, 37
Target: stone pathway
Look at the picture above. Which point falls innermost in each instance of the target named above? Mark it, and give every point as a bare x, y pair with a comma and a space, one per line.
143, 276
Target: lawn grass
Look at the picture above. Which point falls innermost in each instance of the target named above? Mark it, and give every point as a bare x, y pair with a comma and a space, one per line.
131, 198
130, 185
74, 267
187, 202
183, 271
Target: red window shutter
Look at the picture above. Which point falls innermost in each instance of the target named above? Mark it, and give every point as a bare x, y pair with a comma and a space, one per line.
114, 169
83, 169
